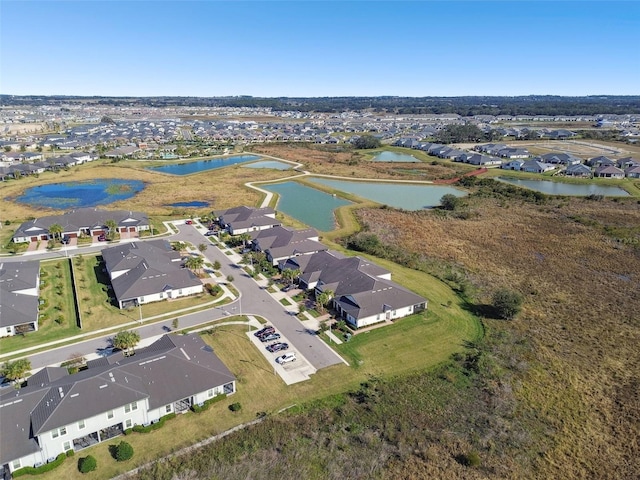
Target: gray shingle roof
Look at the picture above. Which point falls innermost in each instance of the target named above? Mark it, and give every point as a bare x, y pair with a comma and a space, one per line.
18, 308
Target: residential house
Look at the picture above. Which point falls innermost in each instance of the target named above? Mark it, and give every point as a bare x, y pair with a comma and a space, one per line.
627, 162
363, 293
82, 221
512, 165
578, 170
534, 166
512, 152
559, 159
490, 148
601, 161
608, 172
144, 272
243, 219
478, 159
19, 297
632, 171
57, 412
280, 243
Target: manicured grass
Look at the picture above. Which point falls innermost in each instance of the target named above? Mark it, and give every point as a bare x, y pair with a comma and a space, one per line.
285, 302
56, 291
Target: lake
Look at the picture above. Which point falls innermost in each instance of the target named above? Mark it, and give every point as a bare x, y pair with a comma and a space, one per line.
203, 165
81, 194
276, 165
405, 196
310, 206
394, 157
558, 188
195, 204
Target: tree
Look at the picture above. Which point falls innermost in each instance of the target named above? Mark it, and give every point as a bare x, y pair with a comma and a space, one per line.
16, 370
245, 237
449, 201
323, 299
290, 275
111, 225
366, 142
55, 230
194, 263
507, 303
126, 340
124, 451
216, 265
202, 247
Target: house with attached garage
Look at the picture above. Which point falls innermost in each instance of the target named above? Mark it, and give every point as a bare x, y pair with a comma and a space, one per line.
559, 159
239, 220
82, 221
19, 297
578, 170
280, 243
608, 172
57, 412
633, 171
362, 292
534, 166
144, 272
512, 165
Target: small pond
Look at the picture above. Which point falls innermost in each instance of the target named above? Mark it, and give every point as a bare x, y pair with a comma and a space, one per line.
203, 165
274, 164
310, 206
195, 204
81, 194
394, 157
405, 196
558, 188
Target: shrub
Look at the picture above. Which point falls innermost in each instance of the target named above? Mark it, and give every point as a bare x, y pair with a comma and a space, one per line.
42, 469
153, 426
235, 407
124, 451
70, 453
207, 404
507, 303
87, 464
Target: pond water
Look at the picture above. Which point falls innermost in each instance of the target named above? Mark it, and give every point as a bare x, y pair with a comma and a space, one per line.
310, 206
405, 196
558, 188
269, 164
203, 165
81, 194
195, 204
394, 157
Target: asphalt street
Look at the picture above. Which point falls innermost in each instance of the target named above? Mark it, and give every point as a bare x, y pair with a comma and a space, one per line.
253, 300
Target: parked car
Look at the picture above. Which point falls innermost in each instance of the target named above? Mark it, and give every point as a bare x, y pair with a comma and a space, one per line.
66, 239
278, 346
102, 238
270, 337
288, 288
189, 222
209, 233
265, 331
286, 358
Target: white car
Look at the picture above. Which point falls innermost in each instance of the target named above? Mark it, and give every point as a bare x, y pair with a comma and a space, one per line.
286, 358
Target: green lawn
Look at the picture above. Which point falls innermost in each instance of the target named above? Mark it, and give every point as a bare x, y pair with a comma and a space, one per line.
55, 290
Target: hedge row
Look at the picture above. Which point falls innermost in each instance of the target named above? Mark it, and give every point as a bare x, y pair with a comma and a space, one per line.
150, 428
208, 403
42, 469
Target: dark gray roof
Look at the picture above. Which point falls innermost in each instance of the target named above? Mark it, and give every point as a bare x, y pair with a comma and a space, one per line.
240, 218
18, 308
151, 268
172, 368
281, 242
74, 220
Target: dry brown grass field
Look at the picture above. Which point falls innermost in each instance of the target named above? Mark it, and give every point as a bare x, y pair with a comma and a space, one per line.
582, 298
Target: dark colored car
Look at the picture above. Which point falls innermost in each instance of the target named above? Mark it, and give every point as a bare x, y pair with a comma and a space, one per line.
288, 287
270, 337
276, 347
209, 233
66, 239
102, 238
265, 331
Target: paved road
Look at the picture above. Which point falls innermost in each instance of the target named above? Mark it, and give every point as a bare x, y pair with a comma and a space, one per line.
253, 300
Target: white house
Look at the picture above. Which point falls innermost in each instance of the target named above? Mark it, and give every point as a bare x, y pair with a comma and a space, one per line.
19, 297
58, 412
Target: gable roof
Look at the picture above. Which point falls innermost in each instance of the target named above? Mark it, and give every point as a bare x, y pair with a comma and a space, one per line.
17, 307
240, 218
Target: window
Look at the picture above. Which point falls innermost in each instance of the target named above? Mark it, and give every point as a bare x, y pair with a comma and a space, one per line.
16, 464
58, 432
130, 406
168, 408
66, 446
110, 415
128, 424
210, 393
81, 425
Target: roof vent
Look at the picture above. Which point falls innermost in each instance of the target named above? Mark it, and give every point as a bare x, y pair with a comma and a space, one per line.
61, 392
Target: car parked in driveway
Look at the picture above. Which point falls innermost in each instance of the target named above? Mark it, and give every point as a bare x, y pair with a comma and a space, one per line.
278, 346
286, 358
270, 337
102, 238
288, 288
189, 222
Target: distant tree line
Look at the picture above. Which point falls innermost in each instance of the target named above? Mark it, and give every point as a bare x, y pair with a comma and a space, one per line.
465, 106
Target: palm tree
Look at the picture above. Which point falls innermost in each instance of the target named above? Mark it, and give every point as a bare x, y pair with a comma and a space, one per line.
111, 225
290, 275
245, 237
126, 340
202, 247
323, 299
194, 263
55, 230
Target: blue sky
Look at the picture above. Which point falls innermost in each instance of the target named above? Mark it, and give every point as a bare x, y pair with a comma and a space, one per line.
314, 48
